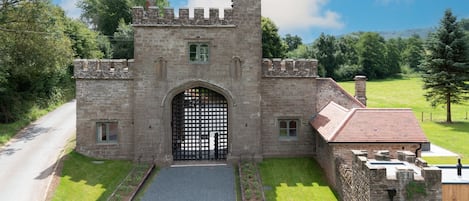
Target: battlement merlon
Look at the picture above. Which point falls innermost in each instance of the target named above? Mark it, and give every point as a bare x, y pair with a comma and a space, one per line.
378, 171
290, 68
155, 16
103, 69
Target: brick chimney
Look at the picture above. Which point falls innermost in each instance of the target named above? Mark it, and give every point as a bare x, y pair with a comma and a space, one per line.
360, 88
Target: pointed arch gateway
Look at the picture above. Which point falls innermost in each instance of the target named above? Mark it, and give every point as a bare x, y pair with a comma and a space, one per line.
199, 125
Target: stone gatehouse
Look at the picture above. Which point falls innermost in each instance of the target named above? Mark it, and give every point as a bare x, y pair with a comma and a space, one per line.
199, 89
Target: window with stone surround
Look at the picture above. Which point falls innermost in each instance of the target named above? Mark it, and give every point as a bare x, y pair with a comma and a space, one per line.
288, 128
106, 132
198, 53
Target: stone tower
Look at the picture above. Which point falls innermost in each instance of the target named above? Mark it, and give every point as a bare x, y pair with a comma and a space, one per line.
199, 89
173, 55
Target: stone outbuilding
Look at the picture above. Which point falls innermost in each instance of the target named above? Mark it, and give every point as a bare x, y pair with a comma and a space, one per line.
340, 130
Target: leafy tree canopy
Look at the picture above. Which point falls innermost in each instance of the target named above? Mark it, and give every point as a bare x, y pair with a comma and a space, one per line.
292, 42
272, 45
34, 55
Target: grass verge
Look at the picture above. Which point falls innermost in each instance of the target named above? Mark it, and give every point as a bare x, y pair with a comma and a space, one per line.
127, 189
84, 178
294, 179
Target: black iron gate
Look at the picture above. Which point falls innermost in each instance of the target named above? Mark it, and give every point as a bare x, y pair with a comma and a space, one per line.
199, 125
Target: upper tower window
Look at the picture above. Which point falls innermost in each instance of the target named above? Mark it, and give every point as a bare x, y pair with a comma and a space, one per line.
198, 52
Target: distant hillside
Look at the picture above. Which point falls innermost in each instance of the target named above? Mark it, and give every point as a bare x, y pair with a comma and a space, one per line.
423, 33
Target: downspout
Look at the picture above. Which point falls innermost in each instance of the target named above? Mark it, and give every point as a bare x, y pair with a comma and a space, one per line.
417, 150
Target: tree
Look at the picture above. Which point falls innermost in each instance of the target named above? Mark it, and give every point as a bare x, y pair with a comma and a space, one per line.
393, 57
325, 51
301, 52
104, 45
84, 41
371, 52
34, 57
446, 68
347, 51
292, 42
112, 18
159, 3
123, 47
272, 45
105, 15
414, 51
465, 24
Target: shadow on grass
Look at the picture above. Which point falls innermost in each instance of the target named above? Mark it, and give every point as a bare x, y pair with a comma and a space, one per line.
294, 179
457, 126
84, 178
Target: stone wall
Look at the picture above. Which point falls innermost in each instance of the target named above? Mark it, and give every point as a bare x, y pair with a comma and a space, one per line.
104, 69
367, 180
289, 68
328, 153
102, 101
288, 90
330, 90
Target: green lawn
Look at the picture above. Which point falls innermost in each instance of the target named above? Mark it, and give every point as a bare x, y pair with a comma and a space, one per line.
294, 179
83, 178
408, 93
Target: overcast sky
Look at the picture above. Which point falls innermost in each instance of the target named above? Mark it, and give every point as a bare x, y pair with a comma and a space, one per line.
309, 18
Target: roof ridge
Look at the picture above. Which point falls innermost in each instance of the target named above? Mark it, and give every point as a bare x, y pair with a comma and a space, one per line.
342, 124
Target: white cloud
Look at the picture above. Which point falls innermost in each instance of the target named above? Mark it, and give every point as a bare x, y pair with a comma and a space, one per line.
301, 14
208, 4
288, 15
70, 8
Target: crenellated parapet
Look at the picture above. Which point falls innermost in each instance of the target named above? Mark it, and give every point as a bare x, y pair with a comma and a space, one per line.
103, 69
289, 68
155, 16
376, 179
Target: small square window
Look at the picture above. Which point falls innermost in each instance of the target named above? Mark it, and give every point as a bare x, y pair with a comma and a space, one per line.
288, 128
198, 52
106, 132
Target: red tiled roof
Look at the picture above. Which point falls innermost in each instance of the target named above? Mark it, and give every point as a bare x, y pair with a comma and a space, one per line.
337, 124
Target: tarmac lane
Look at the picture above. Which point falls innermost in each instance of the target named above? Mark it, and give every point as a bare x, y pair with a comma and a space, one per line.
28, 161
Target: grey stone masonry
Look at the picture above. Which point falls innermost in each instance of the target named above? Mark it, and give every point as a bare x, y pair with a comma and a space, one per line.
289, 68
175, 54
165, 17
103, 69
377, 180
360, 88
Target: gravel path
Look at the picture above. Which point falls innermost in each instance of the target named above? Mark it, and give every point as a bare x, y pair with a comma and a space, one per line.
192, 184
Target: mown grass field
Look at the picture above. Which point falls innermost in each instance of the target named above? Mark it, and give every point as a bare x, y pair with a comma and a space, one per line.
408, 93
294, 179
